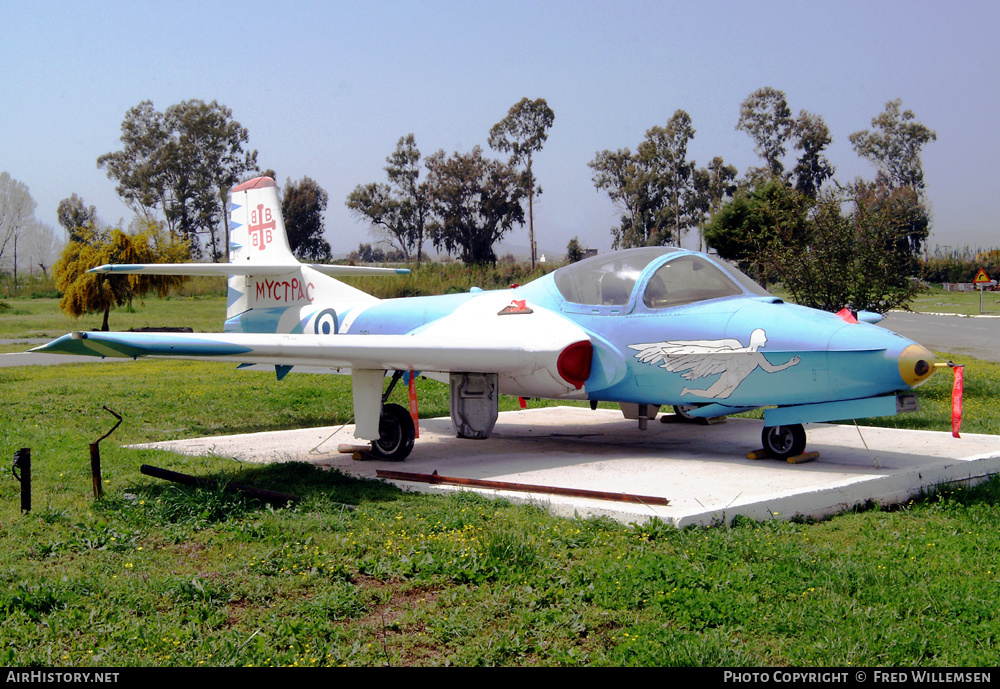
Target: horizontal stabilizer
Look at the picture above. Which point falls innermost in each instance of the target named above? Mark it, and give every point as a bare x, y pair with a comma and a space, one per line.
226, 269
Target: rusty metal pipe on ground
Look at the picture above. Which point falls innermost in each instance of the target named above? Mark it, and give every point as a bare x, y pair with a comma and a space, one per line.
271, 496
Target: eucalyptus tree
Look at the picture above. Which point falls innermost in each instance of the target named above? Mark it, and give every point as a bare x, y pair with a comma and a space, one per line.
711, 186
474, 201
400, 210
895, 145
302, 206
665, 151
522, 133
765, 117
652, 187
812, 168
634, 190
182, 163
73, 214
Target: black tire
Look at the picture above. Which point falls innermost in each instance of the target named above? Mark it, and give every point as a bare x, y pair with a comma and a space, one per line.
782, 442
396, 433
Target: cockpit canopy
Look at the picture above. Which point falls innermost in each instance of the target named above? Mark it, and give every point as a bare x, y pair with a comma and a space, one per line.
684, 278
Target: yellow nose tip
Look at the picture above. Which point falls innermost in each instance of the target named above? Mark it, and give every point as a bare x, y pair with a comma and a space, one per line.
916, 365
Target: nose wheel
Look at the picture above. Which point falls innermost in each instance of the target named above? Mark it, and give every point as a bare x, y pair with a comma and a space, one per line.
782, 442
396, 433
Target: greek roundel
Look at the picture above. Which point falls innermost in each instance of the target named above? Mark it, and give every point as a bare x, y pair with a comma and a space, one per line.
326, 322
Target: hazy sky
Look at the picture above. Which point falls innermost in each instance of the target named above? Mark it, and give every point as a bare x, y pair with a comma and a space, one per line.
327, 88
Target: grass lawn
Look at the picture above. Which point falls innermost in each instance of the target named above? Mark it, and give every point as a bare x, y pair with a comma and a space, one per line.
359, 573
937, 300
37, 318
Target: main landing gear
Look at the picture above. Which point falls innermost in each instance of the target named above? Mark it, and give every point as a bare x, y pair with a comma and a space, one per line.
395, 428
782, 442
396, 433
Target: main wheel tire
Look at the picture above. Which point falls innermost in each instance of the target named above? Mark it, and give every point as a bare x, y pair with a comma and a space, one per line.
396, 433
782, 442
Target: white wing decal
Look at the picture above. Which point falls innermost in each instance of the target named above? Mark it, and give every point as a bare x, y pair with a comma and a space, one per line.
700, 358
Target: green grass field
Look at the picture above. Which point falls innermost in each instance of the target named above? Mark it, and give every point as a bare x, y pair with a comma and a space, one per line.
158, 574
937, 300
38, 318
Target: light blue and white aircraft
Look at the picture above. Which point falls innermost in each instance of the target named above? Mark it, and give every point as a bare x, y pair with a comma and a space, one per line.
643, 327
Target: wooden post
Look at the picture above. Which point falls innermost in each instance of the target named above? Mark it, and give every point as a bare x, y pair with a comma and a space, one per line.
95, 469
22, 461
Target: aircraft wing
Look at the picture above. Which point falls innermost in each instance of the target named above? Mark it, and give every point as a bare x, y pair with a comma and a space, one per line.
535, 352
390, 352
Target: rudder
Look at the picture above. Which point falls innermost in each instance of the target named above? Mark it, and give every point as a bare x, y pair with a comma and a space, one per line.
257, 230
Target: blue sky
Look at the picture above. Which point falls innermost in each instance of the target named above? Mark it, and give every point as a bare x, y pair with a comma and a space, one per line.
327, 88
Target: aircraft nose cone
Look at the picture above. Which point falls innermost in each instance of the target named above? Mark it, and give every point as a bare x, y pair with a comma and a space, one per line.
916, 365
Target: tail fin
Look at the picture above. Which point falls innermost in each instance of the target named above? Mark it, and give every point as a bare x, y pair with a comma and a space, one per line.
257, 228
269, 289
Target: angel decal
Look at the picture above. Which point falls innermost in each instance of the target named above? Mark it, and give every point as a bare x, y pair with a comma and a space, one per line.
700, 358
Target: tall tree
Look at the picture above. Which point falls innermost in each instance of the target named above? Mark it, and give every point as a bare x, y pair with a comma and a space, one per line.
139, 168
906, 209
403, 168
475, 201
633, 188
711, 186
895, 145
302, 206
522, 133
40, 245
664, 154
812, 168
398, 210
17, 212
574, 250
182, 163
765, 117
652, 187
73, 213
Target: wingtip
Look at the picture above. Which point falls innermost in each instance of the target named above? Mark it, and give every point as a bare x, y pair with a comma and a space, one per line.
56, 346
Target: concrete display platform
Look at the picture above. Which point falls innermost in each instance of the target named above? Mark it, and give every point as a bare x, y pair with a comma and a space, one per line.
701, 470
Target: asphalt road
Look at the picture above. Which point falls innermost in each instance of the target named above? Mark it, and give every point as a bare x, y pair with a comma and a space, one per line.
977, 337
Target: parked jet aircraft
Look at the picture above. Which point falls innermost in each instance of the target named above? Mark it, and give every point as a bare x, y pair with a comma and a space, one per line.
643, 327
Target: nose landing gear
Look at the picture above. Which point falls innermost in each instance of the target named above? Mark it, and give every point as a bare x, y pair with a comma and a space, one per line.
782, 442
